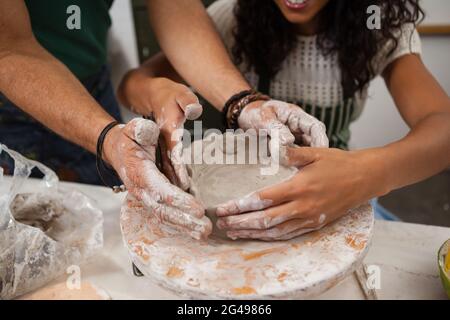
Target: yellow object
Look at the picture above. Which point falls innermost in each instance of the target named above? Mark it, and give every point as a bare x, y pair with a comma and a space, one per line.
447, 261
444, 266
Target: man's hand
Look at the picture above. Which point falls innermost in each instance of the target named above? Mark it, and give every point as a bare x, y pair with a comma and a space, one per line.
292, 123
171, 104
131, 151
330, 182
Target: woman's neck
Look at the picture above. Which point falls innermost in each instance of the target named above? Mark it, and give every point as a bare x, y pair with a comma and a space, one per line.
309, 28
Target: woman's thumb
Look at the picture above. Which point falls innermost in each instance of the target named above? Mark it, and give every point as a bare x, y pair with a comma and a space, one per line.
299, 156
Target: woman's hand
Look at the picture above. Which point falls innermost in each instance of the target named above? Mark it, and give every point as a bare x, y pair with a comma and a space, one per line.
329, 182
171, 104
131, 151
293, 124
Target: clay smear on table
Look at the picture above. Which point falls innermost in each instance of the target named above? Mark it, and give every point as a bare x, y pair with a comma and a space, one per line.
223, 268
60, 291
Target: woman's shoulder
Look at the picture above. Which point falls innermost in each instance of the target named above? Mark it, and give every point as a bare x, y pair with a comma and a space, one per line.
407, 42
222, 14
221, 7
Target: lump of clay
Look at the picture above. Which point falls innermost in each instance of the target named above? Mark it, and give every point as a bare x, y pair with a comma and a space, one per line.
36, 210
230, 166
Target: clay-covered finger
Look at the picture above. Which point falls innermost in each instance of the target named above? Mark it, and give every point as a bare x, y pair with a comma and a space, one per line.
176, 159
177, 219
197, 231
173, 143
282, 111
259, 200
298, 233
173, 165
313, 130
260, 220
144, 132
200, 225
167, 168
280, 133
251, 202
190, 104
319, 138
158, 188
283, 231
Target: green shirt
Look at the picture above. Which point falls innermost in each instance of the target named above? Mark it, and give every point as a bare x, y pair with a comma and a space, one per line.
82, 50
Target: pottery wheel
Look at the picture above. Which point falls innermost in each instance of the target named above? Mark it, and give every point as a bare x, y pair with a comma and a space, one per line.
223, 268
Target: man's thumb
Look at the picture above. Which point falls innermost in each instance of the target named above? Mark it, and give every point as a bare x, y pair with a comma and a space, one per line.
190, 105
144, 132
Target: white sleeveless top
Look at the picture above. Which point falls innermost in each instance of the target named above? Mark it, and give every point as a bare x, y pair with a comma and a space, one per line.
313, 80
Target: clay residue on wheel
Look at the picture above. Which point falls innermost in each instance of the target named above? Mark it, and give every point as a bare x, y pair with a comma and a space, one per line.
356, 241
244, 290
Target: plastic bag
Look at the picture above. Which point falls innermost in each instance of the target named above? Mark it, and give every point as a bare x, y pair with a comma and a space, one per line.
44, 228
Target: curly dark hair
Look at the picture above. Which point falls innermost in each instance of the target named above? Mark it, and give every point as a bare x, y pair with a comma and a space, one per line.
344, 32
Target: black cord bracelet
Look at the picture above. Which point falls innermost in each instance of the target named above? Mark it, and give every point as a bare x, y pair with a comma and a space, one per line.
232, 100
103, 168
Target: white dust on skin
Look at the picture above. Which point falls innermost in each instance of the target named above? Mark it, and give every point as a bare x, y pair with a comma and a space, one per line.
312, 131
193, 111
322, 218
171, 205
146, 132
251, 202
265, 118
289, 120
176, 159
292, 230
218, 267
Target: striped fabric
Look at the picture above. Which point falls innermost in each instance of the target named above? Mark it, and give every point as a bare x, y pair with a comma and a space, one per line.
337, 120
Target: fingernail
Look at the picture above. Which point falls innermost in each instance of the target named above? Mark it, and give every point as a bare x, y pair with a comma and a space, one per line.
220, 224
193, 111
221, 211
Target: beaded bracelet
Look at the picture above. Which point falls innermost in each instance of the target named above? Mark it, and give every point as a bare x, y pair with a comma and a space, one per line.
237, 103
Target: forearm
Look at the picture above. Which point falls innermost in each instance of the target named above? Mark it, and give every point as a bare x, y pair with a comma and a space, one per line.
44, 88
138, 85
425, 151
195, 49
158, 66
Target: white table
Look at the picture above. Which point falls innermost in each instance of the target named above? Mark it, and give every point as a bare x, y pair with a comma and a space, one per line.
405, 253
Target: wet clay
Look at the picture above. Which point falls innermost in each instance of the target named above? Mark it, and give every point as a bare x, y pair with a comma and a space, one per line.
37, 210
216, 183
